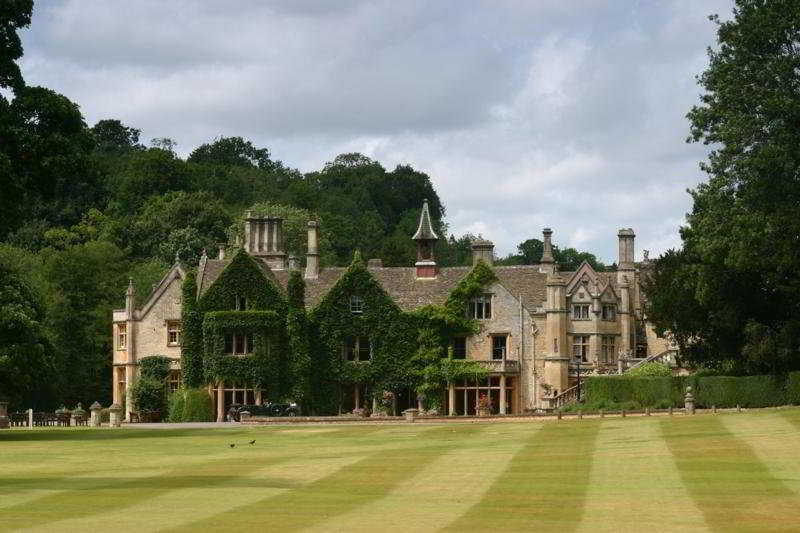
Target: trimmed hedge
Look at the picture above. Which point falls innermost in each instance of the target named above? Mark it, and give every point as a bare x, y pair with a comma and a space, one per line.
720, 391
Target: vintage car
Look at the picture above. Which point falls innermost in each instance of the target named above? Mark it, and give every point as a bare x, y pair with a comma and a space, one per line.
267, 409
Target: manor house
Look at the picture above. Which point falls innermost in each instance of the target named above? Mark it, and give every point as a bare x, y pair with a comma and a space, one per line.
538, 329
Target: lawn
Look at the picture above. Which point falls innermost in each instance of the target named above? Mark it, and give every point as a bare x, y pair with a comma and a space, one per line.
730, 471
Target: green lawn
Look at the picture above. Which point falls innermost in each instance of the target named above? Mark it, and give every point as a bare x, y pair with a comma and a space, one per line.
726, 472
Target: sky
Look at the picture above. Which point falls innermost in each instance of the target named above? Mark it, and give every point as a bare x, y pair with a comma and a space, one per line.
569, 114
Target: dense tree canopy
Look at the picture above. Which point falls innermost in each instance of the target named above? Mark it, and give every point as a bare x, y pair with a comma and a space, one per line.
731, 297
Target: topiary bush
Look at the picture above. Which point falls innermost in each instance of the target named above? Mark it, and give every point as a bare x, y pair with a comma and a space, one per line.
191, 405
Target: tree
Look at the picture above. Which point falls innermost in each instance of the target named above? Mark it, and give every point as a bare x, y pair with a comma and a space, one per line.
234, 152
14, 15
740, 261
26, 365
114, 137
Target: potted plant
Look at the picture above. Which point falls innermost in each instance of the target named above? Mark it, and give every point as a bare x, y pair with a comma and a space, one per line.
484, 405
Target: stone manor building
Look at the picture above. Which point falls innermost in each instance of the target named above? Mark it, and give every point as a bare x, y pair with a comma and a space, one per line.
539, 329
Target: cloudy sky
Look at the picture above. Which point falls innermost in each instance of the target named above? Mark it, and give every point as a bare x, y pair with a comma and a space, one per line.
564, 113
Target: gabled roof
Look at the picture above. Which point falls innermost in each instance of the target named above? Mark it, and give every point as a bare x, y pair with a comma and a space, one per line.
425, 230
176, 272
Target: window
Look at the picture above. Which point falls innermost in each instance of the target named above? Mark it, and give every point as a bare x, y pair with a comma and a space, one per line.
580, 311
499, 347
357, 349
240, 303
580, 348
174, 380
122, 336
480, 307
356, 305
173, 333
239, 343
607, 352
609, 312
460, 348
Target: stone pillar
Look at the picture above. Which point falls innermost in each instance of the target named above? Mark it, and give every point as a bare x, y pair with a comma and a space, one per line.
115, 415
130, 376
451, 399
77, 414
547, 264
689, 401
220, 402
258, 397
30, 418
312, 257
4, 415
94, 417
503, 407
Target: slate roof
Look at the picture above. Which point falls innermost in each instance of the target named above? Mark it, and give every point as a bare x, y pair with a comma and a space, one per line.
402, 285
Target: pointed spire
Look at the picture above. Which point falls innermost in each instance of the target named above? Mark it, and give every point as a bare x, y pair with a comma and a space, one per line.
425, 230
131, 290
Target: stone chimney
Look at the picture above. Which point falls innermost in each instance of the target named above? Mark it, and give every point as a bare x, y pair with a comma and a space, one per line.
263, 237
483, 250
312, 256
426, 238
130, 299
548, 262
626, 249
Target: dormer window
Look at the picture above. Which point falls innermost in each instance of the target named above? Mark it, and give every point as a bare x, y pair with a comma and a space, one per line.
240, 303
356, 305
480, 307
609, 312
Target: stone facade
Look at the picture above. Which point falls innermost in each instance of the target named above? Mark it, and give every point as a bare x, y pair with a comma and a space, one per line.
544, 330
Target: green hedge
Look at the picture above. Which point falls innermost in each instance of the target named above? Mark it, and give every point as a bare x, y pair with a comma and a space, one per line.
191, 405
720, 391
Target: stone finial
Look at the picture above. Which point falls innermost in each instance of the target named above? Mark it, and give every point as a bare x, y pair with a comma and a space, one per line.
689, 401
96, 407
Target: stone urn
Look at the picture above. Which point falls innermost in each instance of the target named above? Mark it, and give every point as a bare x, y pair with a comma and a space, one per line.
78, 414
4, 415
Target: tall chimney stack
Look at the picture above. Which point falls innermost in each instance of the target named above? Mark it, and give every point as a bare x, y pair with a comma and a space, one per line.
263, 237
483, 250
312, 256
547, 263
425, 238
626, 249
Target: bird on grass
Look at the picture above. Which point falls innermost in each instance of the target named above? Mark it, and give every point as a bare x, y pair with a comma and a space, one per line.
232, 445
252, 442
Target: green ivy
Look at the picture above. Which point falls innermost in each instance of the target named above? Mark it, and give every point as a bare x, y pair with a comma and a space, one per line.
154, 366
304, 360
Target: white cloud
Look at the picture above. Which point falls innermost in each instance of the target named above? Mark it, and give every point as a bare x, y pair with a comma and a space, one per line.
525, 114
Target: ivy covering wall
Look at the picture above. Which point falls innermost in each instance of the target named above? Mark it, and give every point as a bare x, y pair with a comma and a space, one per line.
300, 356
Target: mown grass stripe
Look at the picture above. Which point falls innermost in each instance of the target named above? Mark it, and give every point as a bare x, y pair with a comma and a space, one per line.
349, 488
634, 485
443, 490
544, 485
729, 484
775, 441
84, 497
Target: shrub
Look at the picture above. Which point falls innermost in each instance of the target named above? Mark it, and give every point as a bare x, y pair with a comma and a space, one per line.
793, 388
191, 405
148, 394
155, 367
651, 369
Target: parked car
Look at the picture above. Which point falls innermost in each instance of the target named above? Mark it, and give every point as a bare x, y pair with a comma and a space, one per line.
267, 409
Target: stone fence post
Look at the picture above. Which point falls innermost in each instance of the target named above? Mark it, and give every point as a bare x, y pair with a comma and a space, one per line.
115, 415
30, 418
94, 418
